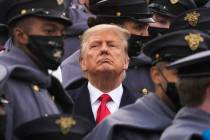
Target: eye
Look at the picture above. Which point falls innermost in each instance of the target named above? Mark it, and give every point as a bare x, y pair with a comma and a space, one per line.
49, 30
112, 45
94, 45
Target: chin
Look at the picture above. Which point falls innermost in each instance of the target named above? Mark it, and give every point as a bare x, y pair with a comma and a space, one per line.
106, 69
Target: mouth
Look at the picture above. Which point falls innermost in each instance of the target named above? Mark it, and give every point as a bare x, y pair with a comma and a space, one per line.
104, 60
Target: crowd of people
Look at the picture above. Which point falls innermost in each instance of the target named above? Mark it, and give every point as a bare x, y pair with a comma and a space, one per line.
104, 70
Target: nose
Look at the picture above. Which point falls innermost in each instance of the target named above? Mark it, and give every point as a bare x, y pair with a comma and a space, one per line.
144, 31
104, 47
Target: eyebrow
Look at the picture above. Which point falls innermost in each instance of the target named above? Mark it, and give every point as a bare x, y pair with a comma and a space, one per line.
99, 41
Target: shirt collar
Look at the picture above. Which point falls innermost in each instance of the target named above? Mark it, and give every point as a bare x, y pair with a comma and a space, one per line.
115, 94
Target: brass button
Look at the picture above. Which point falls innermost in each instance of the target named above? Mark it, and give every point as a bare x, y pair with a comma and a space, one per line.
23, 12
35, 88
145, 91
118, 14
157, 56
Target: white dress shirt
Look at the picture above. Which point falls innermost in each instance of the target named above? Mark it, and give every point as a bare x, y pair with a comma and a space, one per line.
57, 73
112, 105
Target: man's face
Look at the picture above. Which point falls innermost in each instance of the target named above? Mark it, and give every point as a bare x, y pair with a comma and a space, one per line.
136, 28
160, 21
104, 52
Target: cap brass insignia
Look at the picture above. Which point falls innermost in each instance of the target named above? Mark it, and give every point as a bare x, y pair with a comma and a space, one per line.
65, 124
35, 88
157, 56
192, 18
194, 40
174, 1
57, 54
60, 2
145, 91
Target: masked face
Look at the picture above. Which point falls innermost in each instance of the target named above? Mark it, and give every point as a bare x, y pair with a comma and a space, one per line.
172, 93
135, 43
43, 39
47, 49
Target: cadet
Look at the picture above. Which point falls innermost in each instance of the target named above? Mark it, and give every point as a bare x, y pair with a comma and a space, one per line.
193, 87
79, 14
151, 114
166, 10
162, 16
36, 29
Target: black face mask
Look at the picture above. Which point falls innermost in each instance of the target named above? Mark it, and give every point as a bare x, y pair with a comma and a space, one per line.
135, 43
172, 93
47, 49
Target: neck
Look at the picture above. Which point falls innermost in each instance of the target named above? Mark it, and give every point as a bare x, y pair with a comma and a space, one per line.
105, 82
205, 106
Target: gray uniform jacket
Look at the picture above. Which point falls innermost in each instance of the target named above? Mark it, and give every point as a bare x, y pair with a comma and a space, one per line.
188, 121
144, 120
70, 70
28, 90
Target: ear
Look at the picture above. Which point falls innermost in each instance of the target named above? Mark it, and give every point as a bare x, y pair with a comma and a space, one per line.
82, 63
155, 75
126, 63
20, 36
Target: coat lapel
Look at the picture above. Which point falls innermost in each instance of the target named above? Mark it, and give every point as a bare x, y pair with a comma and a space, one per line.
83, 104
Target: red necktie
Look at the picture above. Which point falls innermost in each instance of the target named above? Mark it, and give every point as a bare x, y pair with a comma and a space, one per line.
103, 111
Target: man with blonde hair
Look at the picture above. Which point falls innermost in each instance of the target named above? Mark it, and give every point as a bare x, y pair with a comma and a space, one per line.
103, 60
